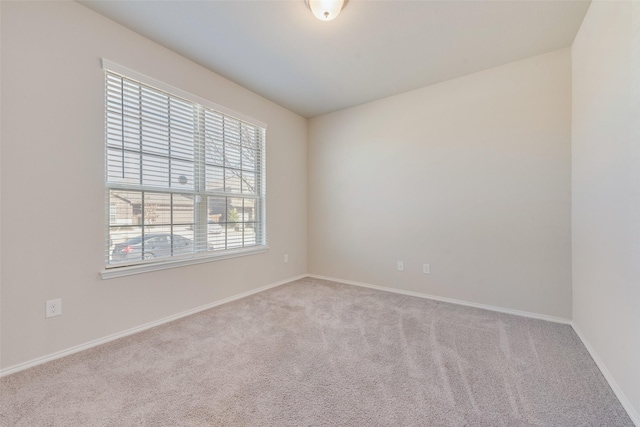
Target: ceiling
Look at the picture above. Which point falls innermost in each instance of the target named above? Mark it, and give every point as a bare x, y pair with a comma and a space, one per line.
373, 49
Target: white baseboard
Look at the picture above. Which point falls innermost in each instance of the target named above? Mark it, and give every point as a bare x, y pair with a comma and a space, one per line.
57, 355
449, 300
633, 413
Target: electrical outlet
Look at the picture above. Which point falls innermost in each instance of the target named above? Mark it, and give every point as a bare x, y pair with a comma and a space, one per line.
426, 268
53, 307
286, 257
400, 266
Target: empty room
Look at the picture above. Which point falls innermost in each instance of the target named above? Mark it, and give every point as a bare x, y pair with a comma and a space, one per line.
320, 212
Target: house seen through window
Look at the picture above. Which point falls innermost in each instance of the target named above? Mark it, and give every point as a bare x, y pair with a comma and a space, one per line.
183, 180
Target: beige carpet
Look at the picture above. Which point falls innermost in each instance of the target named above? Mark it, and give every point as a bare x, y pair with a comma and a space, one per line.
317, 353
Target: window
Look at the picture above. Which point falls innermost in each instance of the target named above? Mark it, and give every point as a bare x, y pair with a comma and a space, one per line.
183, 179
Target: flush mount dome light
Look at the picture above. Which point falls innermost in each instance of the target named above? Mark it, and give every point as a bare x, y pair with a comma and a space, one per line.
326, 10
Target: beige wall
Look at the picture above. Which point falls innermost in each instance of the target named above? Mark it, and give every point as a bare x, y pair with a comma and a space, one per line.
53, 184
471, 176
606, 191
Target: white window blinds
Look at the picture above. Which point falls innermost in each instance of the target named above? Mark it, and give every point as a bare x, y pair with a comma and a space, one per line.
183, 179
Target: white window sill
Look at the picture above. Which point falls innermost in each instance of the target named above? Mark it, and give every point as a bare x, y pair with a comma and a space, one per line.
112, 272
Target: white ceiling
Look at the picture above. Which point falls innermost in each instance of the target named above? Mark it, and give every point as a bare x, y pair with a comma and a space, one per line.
373, 49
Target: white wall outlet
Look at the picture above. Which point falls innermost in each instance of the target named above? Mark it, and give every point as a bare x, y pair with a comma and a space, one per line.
426, 268
53, 307
286, 257
400, 266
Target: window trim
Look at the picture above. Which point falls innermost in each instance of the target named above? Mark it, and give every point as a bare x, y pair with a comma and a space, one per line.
179, 262
112, 271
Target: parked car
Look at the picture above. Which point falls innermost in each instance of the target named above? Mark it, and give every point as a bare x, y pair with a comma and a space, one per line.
153, 246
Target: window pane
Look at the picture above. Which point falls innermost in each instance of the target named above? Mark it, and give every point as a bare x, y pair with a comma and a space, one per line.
233, 224
183, 211
215, 178
232, 131
232, 156
131, 138
232, 181
157, 208
234, 210
155, 171
217, 242
248, 225
155, 138
248, 182
249, 211
118, 250
126, 207
123, 166
214, 137
217, 209
182, 118
155, 244
249, 159
183, 242
182, 143
216, 227
248, 136
182, 175
214, 153
234, 239
249, 234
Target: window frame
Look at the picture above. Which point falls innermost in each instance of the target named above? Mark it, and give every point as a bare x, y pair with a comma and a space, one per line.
201, 221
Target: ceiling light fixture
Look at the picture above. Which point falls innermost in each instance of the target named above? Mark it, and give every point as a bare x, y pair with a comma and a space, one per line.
326, 10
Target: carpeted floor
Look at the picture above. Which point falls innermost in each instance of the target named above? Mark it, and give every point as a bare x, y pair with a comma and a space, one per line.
316, 353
